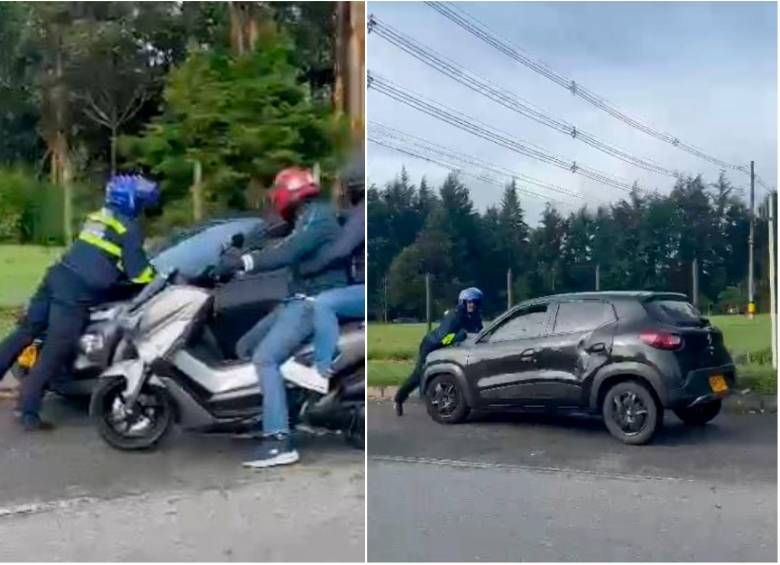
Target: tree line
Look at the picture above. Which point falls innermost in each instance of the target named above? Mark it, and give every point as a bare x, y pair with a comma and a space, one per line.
212, 97
646, 241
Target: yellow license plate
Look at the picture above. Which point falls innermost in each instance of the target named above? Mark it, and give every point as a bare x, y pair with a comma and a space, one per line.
28, 357
718, 384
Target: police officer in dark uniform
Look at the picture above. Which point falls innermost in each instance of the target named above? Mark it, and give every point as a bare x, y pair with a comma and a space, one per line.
454, 326
108, 250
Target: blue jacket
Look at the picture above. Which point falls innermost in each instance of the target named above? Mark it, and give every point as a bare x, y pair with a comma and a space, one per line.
316, 225
109, 249
347, 251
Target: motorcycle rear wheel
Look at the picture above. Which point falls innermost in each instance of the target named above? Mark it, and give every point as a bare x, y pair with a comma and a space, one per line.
140, 429
356, 433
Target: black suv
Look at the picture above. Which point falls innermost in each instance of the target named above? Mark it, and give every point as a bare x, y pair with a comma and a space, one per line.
625, 355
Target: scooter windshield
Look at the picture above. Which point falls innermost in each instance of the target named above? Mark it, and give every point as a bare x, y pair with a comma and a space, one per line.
193, 251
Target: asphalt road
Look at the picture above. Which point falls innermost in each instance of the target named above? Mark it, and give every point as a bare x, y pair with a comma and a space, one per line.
67, 496
551, 488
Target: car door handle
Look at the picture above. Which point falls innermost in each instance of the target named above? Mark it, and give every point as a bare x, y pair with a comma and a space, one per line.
528, 354
597, 348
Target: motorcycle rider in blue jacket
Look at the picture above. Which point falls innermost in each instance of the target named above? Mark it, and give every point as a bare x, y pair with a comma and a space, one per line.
347, 251
109, 249
452, 328
276, 337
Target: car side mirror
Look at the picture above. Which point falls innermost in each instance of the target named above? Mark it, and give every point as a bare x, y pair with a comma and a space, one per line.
237, 240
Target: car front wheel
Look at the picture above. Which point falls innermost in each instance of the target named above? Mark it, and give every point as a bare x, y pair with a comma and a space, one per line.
445, 401
700, 414
631, 413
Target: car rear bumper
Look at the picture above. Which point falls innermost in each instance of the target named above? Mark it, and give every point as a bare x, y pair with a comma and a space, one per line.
696, 388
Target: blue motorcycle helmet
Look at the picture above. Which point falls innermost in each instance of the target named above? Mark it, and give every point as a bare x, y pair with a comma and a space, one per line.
471, 294
130, 194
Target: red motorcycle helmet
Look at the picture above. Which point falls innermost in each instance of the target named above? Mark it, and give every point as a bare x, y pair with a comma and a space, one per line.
290, 187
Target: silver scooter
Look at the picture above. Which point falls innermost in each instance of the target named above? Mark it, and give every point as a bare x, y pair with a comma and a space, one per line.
173, 370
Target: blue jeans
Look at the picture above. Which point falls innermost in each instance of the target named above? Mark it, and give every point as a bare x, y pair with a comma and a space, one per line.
270, 343
329, 306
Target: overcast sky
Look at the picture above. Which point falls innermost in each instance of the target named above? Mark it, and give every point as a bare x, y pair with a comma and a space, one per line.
705, 72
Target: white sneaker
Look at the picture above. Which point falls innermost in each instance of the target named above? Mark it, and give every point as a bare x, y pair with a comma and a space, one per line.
303, 376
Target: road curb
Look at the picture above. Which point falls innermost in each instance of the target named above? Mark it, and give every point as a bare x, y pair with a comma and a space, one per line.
746, 403
381, 392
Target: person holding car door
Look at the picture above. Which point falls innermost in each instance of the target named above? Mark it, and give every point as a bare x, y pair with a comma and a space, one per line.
109, 249
452, 328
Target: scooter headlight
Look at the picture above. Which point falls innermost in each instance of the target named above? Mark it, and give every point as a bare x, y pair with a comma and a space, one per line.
91, 343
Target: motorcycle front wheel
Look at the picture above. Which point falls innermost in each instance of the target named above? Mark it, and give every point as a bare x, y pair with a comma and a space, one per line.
141, 427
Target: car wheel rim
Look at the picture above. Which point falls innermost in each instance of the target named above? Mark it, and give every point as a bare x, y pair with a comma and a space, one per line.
629, 412
445, 398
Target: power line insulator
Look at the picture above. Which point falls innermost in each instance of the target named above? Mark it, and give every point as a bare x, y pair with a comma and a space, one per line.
573, 88
574, 132
371, 23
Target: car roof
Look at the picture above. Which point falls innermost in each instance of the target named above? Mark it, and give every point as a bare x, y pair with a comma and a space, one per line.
641, 295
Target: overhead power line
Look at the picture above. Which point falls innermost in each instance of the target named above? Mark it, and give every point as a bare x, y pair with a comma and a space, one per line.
464, 161
506, 98
455, 167
471, 125
481, 31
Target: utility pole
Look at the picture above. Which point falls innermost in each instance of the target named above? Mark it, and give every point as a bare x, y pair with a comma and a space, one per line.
598, 277
751, 239
695, 281
772, 287
509, 288
428, 300
349, 72
385, 299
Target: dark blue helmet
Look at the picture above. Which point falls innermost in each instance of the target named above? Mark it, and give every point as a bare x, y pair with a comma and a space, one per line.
471, 294
130, 194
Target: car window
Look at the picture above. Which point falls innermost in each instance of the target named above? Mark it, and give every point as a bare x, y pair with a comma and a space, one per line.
582, 316
525, 325
678, 312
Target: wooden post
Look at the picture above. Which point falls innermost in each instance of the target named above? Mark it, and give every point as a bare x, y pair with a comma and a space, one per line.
772, 273
509, 288
428, 300
197, 191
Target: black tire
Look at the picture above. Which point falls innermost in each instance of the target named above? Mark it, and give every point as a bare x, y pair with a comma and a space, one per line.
356, 433
445, 400
102, 408
631, 412
700, 414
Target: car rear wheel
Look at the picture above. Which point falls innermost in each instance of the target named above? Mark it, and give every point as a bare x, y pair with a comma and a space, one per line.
631, 413
445, 401
700, 414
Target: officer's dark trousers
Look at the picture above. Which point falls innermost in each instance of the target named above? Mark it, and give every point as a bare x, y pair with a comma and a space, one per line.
413, 380
60, 309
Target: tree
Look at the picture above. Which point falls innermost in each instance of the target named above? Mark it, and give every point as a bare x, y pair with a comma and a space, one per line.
242, 118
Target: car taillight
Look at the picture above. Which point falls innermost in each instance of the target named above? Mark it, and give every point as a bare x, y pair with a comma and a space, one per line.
662, 340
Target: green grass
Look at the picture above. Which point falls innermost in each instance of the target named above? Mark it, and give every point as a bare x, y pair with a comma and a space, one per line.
388, 373
392, 349
22, 267
742, 335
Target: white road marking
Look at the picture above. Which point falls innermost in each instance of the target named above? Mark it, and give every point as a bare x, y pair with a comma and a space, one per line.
512, 467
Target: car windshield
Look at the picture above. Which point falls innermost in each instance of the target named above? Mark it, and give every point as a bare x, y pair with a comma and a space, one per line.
675, 311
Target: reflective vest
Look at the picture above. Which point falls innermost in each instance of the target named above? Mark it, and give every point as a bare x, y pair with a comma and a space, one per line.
104, 231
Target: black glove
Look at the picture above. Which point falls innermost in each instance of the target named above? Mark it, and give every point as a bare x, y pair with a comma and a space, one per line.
229, 263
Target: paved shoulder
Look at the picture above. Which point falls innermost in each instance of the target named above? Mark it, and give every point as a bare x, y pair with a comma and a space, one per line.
733, 448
